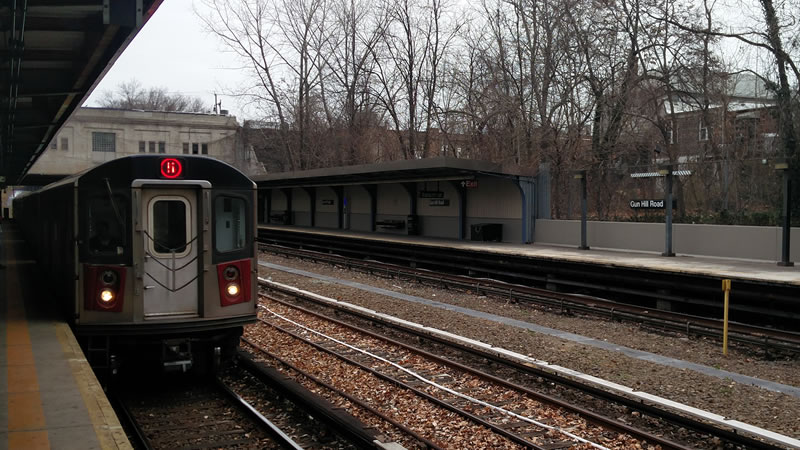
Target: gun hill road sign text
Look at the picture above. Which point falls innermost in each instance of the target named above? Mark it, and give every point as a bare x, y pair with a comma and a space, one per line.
650, 204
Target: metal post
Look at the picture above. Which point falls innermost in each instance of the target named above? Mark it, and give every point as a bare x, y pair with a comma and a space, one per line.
667, 171
783, 166
581, 175
726, 287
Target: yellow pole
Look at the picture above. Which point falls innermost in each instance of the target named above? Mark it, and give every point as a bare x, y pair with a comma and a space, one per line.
726, 286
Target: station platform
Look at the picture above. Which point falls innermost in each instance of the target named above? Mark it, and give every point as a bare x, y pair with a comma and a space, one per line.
759, 271
49, 396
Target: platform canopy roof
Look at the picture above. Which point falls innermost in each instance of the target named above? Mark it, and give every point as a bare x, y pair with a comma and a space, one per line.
53, 54
429, 169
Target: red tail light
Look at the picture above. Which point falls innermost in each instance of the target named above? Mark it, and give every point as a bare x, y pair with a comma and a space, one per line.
104, 288
234, 282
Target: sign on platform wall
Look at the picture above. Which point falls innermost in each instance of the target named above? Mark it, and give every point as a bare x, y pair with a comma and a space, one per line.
327, 202
440, 202
469, 183
431, 194
651, 204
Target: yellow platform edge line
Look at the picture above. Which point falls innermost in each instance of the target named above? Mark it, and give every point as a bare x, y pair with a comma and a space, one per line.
25, 426
106, 425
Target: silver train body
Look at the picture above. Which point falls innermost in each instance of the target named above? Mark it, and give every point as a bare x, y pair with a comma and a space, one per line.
148, 255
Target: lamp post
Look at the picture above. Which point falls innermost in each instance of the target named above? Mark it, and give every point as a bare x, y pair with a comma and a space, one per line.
666, 171
581, 175
783, 166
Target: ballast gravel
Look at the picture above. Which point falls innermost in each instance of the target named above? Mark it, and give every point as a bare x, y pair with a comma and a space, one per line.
766, 409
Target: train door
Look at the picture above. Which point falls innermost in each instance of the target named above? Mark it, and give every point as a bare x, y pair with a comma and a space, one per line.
171, 247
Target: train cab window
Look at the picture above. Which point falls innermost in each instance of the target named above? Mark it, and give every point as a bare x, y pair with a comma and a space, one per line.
107, 225
230, 223
169, 225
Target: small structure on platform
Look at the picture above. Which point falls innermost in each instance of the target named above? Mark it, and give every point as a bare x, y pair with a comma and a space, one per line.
438, 197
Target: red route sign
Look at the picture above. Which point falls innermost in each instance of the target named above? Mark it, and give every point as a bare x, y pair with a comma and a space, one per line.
171, 168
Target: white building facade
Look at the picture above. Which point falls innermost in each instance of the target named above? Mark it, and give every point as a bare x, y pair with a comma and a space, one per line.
95, 135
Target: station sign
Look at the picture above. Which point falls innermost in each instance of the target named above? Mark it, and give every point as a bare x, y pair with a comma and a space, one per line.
439, 202
470, 184
651, 204
431, 194
327, 202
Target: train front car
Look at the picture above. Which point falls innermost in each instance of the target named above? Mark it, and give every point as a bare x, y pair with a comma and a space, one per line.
166, 259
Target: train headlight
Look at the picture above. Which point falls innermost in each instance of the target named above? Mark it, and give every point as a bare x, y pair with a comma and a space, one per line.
233, 290
107, 296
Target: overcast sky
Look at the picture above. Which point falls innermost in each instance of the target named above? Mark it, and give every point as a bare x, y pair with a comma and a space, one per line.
173, 51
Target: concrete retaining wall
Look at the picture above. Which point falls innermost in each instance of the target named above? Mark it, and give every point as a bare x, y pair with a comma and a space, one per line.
725, 241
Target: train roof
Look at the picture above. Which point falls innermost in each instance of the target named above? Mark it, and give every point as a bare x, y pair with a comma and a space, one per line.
121, 172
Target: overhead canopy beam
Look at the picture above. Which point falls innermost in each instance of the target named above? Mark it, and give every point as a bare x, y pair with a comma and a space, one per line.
48, 70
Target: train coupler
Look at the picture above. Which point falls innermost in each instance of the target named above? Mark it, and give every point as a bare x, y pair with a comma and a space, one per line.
176, 355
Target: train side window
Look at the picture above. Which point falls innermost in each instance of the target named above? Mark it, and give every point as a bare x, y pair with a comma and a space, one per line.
230, 223
169, 226
107, 225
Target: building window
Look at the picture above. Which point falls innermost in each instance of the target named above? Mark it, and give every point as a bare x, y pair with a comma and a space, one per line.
54, 144
64, 144
185, 148
162, 147
703, 133
204, 148
195, 148
141, 147
152, 146
104, 142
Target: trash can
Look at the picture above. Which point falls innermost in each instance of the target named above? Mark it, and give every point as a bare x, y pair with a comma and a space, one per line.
487, 232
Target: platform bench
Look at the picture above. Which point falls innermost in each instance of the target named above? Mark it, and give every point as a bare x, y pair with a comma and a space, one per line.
396, 224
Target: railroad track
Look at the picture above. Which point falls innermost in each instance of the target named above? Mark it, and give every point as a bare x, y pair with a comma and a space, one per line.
549, 428
755, 302
246, 406
652, 424
197, 414
773, 341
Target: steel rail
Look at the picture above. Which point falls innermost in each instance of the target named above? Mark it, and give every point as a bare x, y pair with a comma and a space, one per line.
319, 408
428, 444
591, 416
418, 392
676, 322
132, 423
638, 283
633, 404
282, 438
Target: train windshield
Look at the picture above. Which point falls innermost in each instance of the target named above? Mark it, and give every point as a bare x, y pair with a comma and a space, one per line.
230, 213
170, 226
107, 225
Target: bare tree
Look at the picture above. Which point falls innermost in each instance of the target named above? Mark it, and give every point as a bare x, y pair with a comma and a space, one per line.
131, 95
350, 64
245, 28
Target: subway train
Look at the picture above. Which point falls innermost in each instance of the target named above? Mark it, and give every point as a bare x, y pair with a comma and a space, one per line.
151, 258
